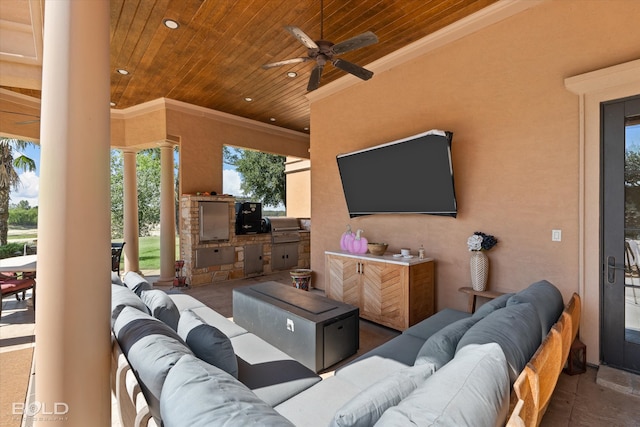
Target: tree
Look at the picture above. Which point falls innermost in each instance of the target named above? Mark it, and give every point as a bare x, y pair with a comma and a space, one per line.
117, 195
262, 174
148, 171
10, 160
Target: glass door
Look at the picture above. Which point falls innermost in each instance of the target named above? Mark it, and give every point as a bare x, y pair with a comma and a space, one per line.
621, 234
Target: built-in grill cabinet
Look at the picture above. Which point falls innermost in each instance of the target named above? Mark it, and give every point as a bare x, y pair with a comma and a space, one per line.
248, 217
285, 236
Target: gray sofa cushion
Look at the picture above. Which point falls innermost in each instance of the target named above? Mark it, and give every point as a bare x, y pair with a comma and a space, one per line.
365, 408
440, 348
216, 319
546, 299
207, 342
122, 297
185, 302
197, 394
136, 282
115, 278
403, 348
515, 328
433, 324
471, 390
161, 307
270, 373
333, 392
491, 306
152, 348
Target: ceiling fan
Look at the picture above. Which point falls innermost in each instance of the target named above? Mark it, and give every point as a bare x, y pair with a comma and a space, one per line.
323, 51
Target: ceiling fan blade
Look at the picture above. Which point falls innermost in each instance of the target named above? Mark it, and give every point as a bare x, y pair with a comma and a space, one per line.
314, 80
364, 39
354, 69
285, 62
300, 35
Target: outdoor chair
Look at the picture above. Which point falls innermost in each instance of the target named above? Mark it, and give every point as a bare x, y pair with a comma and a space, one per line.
116, 254
16, 285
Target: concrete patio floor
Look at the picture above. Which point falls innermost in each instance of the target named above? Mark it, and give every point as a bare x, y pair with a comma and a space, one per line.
601, 397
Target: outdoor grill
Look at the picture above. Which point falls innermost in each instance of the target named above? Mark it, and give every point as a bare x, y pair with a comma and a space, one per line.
283, 229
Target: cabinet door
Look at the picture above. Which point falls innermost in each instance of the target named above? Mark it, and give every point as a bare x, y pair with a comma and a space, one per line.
344, 279
253, 259
384, 294
284, 256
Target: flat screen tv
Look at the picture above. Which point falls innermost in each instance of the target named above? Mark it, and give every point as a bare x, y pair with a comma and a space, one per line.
410, 175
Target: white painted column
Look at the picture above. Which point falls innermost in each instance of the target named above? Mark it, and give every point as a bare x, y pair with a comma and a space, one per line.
167, 216
130, 212
72, 354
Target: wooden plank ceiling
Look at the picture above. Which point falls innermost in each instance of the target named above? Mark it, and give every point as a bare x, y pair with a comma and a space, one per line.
214, 58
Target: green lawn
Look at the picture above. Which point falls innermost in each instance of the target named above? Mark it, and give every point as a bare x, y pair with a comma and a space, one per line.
149, 250
149, 247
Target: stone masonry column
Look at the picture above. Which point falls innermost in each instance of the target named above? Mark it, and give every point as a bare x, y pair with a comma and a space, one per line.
131, 229
167, 216
72, 353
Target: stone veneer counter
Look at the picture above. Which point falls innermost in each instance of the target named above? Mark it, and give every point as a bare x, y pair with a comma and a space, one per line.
240, 256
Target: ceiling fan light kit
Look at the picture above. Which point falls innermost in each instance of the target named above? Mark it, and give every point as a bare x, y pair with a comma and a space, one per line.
323, 51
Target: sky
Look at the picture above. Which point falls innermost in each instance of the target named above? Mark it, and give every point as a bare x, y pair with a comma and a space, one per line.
30, 181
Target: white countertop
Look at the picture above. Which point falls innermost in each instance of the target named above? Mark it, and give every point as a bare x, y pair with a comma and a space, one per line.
387, 257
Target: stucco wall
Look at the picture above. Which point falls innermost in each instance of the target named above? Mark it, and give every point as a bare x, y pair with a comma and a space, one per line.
515, 146
201, 141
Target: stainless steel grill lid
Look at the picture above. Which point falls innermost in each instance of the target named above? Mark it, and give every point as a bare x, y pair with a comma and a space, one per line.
284, 229
283, 223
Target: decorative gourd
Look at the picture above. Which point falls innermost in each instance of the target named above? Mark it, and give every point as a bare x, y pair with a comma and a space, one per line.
359, 243
347, 236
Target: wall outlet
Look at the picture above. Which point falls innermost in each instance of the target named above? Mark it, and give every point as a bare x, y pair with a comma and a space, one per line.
556, 235
290, 326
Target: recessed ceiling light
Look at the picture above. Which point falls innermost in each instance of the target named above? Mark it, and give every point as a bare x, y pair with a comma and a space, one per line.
113, 104
272, 119
248, 99
306, 128
122, 71
292, 74
170, 23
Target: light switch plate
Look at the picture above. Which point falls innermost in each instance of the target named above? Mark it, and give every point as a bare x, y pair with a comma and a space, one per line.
556, 235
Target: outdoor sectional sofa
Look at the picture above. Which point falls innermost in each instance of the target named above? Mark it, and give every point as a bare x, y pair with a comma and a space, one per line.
193, 367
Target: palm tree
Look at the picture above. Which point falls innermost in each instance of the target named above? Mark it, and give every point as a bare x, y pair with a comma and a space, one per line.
9, 178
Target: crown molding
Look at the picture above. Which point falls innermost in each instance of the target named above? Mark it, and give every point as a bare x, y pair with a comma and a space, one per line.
483, 18
168, 104
605, 78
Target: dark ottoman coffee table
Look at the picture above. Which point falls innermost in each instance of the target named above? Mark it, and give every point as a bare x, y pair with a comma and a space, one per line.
316, 331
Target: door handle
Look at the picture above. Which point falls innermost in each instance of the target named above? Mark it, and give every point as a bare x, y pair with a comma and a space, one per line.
611, 269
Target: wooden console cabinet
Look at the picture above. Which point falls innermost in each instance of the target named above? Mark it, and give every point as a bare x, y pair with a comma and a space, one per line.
393, 292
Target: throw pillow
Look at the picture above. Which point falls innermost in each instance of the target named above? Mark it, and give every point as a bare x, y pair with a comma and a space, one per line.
136, 282
213, 398
122, 297
115, 279
546, 299
366, 408
472, 389
208, 342
491, 306
440, 348
161, 307
515, 328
